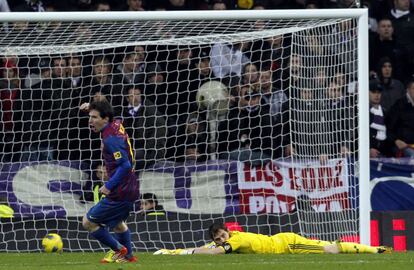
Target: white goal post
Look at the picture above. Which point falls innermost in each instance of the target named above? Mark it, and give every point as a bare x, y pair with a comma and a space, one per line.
300, 48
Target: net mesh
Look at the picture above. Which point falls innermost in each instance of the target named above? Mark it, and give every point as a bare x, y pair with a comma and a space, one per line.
249, 122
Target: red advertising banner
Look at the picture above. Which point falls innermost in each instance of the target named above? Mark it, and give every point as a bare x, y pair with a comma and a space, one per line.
277, 186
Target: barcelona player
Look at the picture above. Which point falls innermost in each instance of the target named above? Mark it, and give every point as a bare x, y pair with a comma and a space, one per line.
120, 191
282, 243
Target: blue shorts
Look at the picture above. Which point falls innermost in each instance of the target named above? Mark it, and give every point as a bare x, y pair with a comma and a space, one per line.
109, 213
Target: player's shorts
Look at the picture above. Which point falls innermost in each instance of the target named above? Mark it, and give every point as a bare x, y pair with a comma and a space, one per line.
292, 243
109, 213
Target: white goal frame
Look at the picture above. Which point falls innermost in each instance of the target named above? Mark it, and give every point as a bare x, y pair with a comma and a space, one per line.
362, 51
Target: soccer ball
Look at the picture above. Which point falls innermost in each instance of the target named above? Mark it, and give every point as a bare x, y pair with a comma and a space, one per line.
213, 95
52, 242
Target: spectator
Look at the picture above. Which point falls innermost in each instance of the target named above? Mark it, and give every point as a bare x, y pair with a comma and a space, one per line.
156, 87
150, 206
250, 74
4, 6
274, 97
33, 109
77, 81
377, 128
9, 90
342, 80
78, 5
403, 20
127, 71
321, 79
259, 5
146, 127
308, 139
38, 73
292, 74
31, 5
135, 5
183, 84
218, 5
384, 45
9, 76
139, 58
101, 5
104, 83
59, 65
399, 122
78, 139
177, 5
75, 71
268, 53
392, 89
247, 133
295, 4
312, 4
98, 178
62, 94
227, 61
192, 140
339, 132
343, 35
204, 69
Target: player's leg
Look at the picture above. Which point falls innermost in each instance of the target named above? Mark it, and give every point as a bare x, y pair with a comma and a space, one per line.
348, 247
92, 221
298, 244
120, 212
101, 234
123, 235
341, 247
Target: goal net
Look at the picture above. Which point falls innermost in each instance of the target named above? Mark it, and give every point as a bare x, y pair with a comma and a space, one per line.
248, 119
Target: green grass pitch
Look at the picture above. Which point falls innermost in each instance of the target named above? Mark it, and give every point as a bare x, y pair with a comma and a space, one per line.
90, 261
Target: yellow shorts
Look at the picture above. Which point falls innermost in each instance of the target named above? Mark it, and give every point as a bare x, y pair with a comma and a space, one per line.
292, 243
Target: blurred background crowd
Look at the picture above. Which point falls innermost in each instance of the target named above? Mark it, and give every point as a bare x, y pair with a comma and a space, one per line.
156, 91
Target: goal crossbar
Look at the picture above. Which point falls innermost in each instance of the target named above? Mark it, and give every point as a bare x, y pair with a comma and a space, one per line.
181, 15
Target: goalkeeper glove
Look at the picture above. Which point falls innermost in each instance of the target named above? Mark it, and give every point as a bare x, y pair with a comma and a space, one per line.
174, 252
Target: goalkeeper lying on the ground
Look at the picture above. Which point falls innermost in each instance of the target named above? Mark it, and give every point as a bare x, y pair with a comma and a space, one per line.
282, 243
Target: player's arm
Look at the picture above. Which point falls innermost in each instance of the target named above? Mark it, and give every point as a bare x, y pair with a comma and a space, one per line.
190, 251
115, 146
211, 251
216, 250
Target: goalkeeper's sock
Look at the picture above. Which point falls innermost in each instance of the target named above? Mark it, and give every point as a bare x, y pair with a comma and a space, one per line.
125, 239
346, 247
103, 236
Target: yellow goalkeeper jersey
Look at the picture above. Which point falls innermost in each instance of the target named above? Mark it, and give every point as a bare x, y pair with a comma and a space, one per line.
281, 243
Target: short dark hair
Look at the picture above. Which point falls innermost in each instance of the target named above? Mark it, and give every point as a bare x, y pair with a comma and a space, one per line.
128, 87
385, 19
218, 2
409, 83
100, 2
150, 197
103, 107
375, 86
215, 227
100, 59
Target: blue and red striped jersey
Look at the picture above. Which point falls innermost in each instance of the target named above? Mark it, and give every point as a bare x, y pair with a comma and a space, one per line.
119, 160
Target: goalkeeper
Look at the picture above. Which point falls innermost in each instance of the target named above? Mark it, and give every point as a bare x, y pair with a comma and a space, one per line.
282, 243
